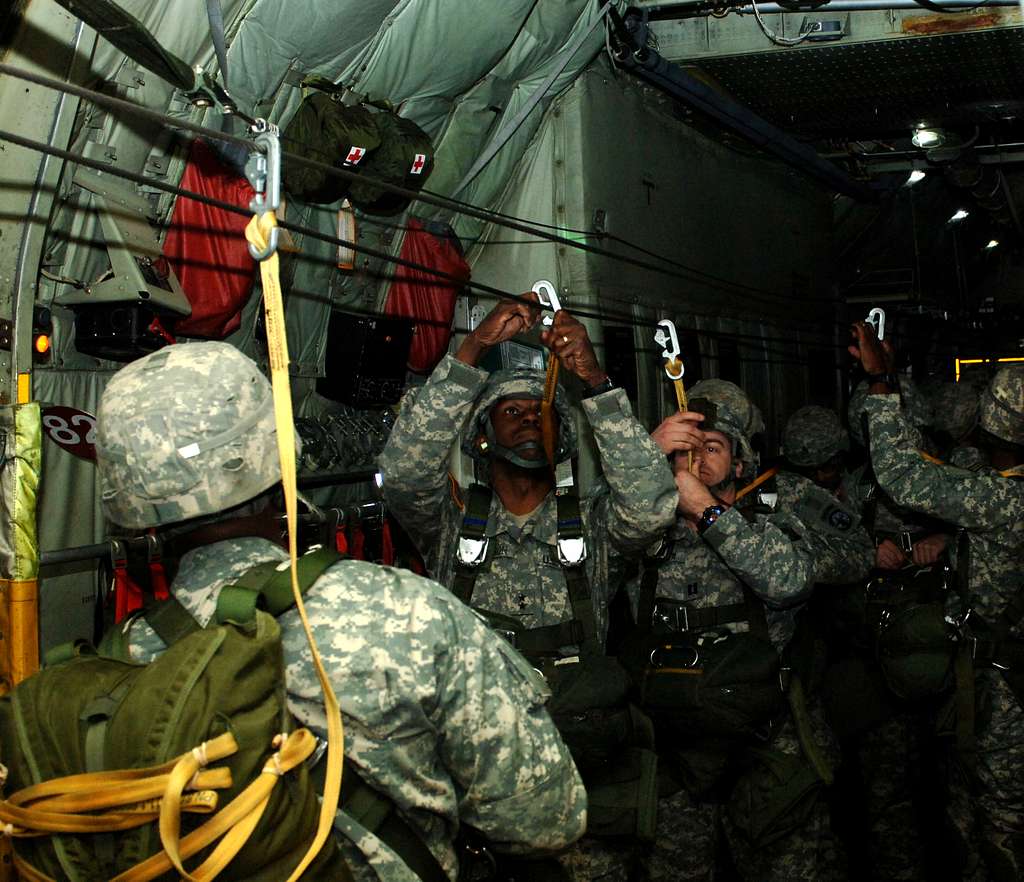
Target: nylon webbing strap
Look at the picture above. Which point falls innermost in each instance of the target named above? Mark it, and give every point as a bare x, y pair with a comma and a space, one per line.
963, 567
268, 587
549, 638
757, 482
170, 620
547, 412
258, 233
474, 527
376, 813
755, 614
570, 526
648, 589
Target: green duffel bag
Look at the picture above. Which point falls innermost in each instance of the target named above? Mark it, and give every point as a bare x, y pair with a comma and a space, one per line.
327, 131
216, 695
404, 158
706, 684
774, 796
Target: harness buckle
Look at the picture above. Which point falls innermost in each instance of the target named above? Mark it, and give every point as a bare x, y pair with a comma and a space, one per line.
509, 635
571, 551
906, 542
675, 615
472, 552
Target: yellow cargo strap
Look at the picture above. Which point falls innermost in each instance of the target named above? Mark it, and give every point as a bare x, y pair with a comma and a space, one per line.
753, 485
547, 415
675, 366
258, 232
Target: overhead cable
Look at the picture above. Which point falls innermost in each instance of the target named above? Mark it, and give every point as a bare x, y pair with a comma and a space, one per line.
608, 317
685, 273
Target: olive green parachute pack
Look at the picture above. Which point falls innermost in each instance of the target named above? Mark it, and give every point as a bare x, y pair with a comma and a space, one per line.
93, 714
373, 142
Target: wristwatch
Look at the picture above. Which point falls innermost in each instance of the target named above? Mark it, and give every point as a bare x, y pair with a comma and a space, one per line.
890, 379
606, 385
711, 514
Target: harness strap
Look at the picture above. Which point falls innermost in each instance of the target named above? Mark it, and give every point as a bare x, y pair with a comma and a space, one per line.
268, 586
687, 616
757, 482
378, 814
582, 630
472, 536
570, 529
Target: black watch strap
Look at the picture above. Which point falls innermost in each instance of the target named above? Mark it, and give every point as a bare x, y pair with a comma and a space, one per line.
606, 385
890, 379
711, 514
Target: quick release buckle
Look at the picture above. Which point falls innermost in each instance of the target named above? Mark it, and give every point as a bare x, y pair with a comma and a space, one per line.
675, 615
472, 552
508, 634
571, 551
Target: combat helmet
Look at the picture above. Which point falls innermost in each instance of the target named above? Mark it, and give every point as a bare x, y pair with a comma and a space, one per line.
954, 408
813, 435
186, 431
915, 407
516, 383
1002, 405
734, 415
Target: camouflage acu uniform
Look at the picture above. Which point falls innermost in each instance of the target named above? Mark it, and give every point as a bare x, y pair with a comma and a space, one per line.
808, 538
991, 508
441, 715
523, 579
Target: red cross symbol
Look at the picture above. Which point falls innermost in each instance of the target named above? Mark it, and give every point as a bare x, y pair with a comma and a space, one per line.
354, 155
418, 163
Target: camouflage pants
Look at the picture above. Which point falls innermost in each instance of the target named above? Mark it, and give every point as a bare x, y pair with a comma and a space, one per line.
889, 767
594, 859
685, 843
991, 824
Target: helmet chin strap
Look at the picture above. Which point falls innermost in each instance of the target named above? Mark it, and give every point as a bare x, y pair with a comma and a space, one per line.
512, 455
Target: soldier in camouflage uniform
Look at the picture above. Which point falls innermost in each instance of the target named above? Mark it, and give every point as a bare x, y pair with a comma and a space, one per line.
497, 420
902, 536
779, 548
441, 716
990, 506
815, 444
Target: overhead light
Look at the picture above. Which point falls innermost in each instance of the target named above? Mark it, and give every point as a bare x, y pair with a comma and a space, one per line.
915, 176
378, 479
992, 243
926, 138
961, 213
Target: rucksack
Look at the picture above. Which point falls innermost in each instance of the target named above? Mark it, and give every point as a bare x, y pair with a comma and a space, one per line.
216, 688
324, 130
405, 157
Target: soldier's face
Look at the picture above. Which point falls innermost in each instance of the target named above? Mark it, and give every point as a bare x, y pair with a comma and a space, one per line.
713, 461
517, 426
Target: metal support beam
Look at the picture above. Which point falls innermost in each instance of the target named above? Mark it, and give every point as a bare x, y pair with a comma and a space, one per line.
669, 77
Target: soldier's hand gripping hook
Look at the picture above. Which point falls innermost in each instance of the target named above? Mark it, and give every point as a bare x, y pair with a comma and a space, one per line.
547, 297
667, 338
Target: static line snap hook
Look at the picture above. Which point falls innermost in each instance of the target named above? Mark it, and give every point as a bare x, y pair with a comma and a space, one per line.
545, 292
263, 169
876, 318
667, 338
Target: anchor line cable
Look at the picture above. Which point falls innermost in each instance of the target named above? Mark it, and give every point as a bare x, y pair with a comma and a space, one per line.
609, 317
686, 273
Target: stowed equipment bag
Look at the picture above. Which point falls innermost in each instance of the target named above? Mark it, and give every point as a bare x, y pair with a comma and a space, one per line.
120, 759
324, 130
374, 142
